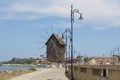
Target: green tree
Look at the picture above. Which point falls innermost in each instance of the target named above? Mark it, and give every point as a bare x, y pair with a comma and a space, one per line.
86, 59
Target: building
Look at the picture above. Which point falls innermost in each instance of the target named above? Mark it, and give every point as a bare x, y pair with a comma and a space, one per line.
95, 72
55, 49
105, 59
40, 60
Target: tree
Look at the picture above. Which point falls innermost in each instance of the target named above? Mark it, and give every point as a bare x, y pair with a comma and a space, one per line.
86, 59
13, 59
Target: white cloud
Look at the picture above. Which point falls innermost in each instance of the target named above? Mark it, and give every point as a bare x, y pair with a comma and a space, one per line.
92, 8
106, 12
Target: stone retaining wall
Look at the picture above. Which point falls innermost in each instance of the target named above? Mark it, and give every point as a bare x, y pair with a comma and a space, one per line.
95, 72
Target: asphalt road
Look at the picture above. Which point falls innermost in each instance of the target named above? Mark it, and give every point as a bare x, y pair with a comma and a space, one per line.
44, 74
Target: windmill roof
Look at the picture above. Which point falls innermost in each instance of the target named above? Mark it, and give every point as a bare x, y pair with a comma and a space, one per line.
60, 41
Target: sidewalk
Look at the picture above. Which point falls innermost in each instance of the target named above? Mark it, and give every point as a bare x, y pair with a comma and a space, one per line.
44, 74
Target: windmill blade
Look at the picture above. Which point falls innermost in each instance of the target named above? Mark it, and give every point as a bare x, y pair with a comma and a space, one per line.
51, 30
59, 31
42, 47
40, 42
47, 32
43, 37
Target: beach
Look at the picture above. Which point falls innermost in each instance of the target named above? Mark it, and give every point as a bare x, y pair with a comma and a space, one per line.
8, 74
34, 73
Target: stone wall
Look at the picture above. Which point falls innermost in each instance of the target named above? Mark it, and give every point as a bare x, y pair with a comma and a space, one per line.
95, 72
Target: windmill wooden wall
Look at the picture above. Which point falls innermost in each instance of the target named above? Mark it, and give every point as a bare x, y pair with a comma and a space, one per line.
55, 49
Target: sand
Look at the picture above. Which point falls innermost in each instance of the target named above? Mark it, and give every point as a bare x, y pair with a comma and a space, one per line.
8, 74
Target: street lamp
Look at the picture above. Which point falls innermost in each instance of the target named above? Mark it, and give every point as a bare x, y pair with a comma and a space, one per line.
71, 38
117, 49
118, 55
66, 36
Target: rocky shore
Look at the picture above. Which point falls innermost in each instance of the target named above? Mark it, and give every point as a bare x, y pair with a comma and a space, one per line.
8, 74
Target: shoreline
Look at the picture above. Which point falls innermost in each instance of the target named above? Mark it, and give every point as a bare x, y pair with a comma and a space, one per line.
15, 66
8, 74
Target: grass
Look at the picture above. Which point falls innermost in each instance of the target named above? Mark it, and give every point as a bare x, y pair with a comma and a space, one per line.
2, 79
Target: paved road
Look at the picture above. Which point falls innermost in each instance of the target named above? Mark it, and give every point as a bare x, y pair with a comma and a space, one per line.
44, 74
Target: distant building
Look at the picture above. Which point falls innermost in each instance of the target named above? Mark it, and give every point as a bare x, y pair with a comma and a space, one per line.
55, 49
74, 60
40, 60
105, 59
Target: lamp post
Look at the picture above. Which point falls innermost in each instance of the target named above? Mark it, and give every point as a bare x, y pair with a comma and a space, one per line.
118, 55
116, 49
66, 36
71, 38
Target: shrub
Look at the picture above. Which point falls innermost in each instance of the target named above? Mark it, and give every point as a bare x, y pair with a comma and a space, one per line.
32, 69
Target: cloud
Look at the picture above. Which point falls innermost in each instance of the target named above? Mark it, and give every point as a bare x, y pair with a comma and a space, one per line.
92, 9
106, 12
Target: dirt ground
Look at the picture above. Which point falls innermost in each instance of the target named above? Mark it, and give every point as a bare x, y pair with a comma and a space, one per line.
8, 74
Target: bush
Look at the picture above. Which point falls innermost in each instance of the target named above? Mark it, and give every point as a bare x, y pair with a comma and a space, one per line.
32, 69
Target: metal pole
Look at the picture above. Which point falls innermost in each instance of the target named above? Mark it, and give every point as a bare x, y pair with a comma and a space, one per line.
66, 54
69, 51
71, 38
72, 18
118, 55
40, 62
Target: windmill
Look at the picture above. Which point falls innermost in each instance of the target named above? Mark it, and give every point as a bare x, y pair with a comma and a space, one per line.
44, 38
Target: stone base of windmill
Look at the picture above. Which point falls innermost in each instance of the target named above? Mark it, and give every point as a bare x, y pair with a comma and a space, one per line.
56, 65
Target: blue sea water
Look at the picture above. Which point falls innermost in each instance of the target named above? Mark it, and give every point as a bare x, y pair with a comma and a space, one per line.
9, 67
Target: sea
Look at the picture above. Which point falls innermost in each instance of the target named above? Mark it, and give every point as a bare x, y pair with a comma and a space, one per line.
9, 67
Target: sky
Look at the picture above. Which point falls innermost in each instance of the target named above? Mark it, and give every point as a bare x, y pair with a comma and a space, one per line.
24, 24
